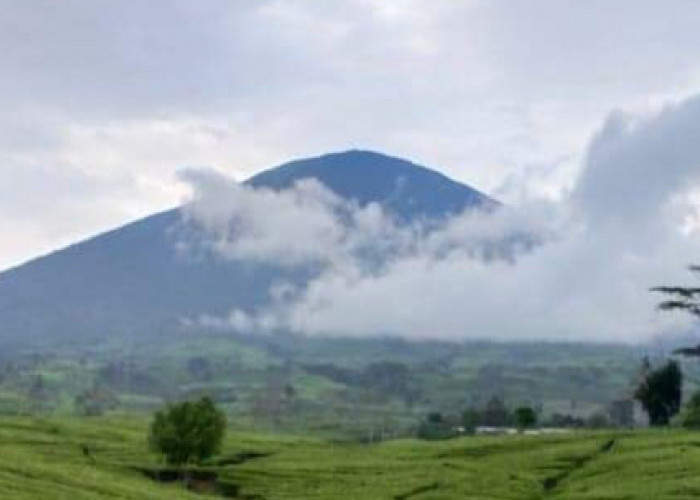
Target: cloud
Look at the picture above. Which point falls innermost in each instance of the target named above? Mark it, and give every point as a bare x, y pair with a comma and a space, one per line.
636, 165
575, 269
294, 227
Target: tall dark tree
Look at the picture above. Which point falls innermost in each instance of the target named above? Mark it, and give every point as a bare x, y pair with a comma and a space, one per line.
685, 298
682, 298
660, 393
496, 414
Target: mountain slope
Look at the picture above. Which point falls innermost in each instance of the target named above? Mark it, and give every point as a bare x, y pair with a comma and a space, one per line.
132, 281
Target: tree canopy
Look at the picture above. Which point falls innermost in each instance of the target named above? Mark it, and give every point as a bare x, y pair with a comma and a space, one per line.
525, 417
660, 393
188, 432
682, 298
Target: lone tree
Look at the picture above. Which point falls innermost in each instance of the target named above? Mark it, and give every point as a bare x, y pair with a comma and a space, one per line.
660, 393
525, 417
188, 432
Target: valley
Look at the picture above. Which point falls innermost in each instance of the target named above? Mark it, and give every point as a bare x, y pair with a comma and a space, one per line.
357, 389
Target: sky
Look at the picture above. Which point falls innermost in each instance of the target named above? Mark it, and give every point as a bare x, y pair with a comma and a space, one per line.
104, 102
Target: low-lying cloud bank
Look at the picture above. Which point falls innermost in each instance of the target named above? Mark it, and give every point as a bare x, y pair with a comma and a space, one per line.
573, 269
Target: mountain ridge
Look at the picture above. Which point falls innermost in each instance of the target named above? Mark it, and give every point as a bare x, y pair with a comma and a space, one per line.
264, 179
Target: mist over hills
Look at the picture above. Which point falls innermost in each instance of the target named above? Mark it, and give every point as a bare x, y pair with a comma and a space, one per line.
133, 281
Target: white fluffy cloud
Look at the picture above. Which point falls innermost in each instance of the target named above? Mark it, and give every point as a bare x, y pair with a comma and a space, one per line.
578, 269
104, 102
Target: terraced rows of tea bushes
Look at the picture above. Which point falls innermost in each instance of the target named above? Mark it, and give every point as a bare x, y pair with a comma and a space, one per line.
95, 458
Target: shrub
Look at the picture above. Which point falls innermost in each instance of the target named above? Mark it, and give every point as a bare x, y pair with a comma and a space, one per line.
598, 420
95, 401
436, 427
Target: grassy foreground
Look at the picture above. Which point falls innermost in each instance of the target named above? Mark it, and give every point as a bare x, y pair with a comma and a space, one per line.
105, 457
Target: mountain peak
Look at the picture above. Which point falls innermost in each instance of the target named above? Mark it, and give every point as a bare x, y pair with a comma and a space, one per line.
405, 188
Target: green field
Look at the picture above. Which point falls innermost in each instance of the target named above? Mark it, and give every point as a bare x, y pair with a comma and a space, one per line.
105, 457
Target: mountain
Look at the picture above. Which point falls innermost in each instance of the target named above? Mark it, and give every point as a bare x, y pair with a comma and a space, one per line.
132, 281
404, 188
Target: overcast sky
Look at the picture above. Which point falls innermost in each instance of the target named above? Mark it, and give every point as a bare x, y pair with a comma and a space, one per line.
104, 101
